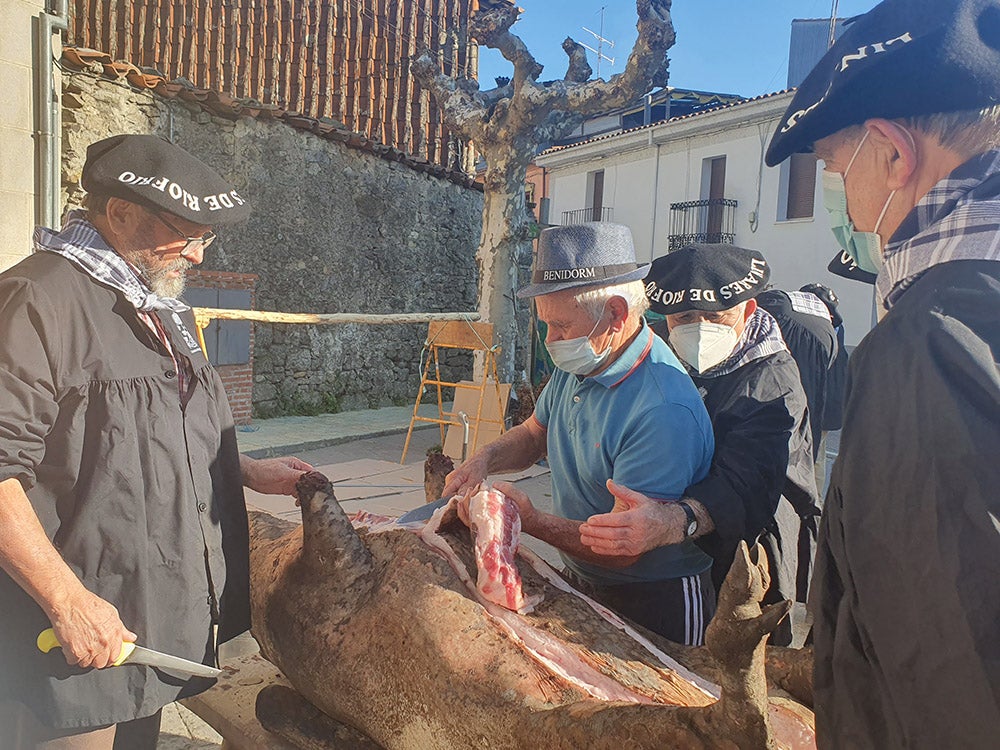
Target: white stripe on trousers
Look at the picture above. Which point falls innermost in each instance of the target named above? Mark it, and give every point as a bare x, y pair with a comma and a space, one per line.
693, 611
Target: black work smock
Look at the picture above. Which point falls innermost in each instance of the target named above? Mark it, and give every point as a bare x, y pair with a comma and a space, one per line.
907, 622
143, 499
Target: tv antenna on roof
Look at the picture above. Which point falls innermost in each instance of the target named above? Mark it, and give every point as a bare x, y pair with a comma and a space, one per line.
601, 41
833, 24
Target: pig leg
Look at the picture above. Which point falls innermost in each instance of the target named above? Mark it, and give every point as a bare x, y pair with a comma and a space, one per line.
284, 712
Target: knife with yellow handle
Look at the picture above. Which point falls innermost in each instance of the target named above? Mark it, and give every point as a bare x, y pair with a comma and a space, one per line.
132, 654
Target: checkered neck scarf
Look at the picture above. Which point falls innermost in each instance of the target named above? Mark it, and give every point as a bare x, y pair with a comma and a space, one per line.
959, 219
81, 243
808, 303
761, 338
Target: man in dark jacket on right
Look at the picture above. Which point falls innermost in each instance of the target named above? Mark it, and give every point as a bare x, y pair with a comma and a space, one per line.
904, 110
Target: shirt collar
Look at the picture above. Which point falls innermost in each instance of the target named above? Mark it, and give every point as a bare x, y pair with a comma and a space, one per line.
628, 361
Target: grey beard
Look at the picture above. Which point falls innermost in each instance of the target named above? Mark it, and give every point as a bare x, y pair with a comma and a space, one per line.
158, 279
165, 286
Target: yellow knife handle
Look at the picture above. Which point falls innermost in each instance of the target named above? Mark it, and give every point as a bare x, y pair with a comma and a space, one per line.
47, 641
127, 649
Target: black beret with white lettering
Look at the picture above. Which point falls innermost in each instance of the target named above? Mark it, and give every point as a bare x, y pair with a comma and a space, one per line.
901, 59
705, 277
151, 171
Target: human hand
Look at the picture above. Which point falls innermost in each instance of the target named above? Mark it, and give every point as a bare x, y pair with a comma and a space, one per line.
525, 508
89, 630
467, 477
273, 476
636, 525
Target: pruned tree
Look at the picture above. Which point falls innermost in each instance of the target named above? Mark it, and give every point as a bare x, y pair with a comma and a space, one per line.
508, 124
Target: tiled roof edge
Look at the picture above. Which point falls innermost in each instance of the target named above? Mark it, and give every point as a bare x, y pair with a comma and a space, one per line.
222, 104
615, 134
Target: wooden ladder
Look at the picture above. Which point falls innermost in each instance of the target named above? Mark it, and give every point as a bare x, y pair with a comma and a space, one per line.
470, 336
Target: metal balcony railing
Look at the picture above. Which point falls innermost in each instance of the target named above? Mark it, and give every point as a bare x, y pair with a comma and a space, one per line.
582, 215
712, 220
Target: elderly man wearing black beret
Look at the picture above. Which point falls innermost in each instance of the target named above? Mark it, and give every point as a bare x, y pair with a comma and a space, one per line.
760, 486
121, 503
619, 408
904, 111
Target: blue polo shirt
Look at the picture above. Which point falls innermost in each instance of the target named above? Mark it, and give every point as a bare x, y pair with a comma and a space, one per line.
640, 422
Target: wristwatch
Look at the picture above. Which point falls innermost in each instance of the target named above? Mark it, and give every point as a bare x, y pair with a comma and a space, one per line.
691, 527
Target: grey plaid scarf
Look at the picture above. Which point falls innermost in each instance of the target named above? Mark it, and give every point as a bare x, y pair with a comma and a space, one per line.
80, 242
761, 338
958, 219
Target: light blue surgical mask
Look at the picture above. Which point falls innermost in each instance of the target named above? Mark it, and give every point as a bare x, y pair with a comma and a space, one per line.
865, 248
577, 356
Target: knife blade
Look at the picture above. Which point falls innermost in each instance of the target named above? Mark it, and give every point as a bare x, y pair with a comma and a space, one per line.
422, 512
132, 654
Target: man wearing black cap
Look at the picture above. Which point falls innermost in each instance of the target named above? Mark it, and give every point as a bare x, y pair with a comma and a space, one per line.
760, 486
619, 407
903, 110
121, 505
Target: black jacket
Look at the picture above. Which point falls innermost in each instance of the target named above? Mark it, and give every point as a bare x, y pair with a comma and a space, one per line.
761, 483
907, 627
143, 499
812, 341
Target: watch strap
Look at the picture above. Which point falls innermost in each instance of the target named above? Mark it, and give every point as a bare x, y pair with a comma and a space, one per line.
690, 519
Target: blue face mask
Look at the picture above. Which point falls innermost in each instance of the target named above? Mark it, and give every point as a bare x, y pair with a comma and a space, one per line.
865, 248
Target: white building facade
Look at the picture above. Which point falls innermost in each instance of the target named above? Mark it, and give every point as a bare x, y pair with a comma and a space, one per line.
18, 189
702, 178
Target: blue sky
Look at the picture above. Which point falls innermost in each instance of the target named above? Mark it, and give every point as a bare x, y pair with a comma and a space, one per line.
729, 46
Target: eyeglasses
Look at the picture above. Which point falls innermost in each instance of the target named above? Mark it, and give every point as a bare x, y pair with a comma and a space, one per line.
191, 242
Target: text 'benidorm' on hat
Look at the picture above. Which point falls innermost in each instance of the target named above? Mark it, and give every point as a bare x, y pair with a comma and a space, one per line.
593, 254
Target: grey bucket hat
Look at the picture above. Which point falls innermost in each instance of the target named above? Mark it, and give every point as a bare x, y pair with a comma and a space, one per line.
583, 255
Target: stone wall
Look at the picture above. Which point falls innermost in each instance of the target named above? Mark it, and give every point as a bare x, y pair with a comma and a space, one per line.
334, 229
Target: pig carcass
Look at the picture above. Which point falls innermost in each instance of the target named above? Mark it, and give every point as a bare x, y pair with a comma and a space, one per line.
383, 629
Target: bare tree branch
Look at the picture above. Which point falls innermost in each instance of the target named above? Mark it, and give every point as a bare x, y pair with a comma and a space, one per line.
579, 69
488, 99
460, 110
647, 67
510, 122
492, 28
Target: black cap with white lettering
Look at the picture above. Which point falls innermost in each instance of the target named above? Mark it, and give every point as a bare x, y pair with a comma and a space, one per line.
593, 254
705, 277
153, 172
901, 59
843, 265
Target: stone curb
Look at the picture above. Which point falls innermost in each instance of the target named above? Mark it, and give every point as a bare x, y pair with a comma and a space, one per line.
273, 451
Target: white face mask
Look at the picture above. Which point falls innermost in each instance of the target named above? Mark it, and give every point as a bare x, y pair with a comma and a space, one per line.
703, 345
577, 356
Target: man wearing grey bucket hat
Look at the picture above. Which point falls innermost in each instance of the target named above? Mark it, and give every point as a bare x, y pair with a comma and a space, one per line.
620, 409
122, 515
904, 111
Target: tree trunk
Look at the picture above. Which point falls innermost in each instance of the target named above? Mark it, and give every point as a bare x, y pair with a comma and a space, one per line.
505, 246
